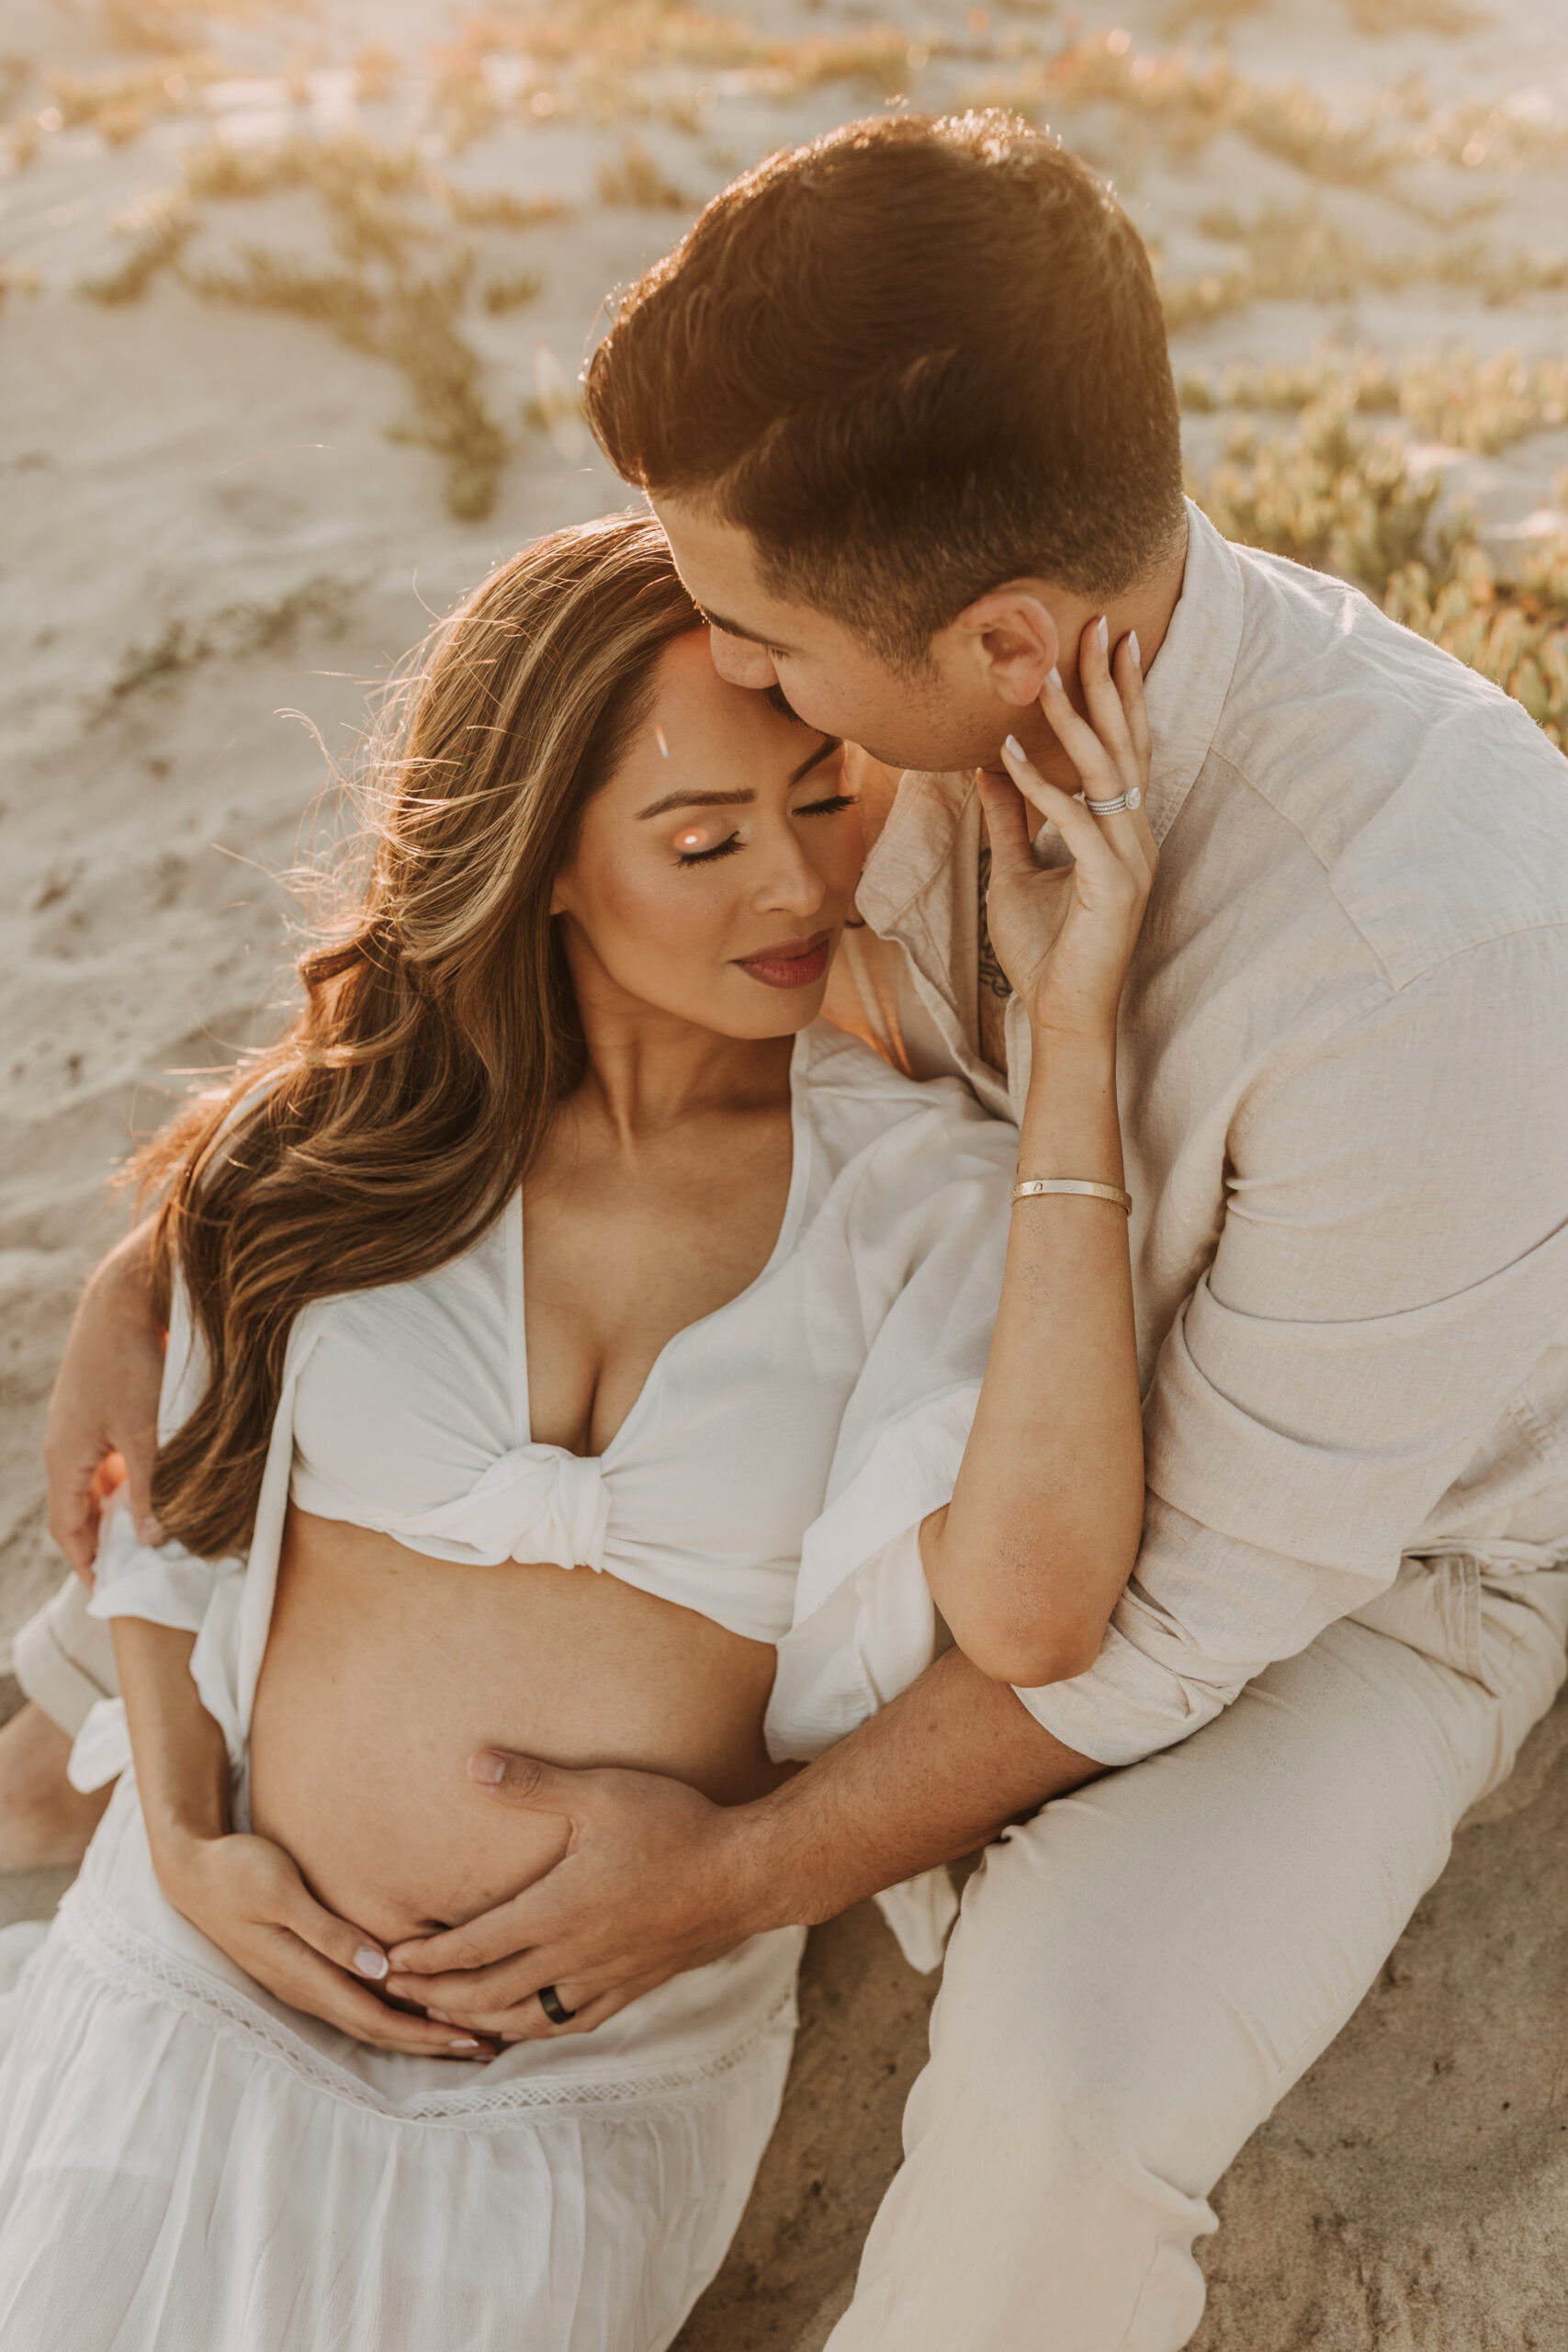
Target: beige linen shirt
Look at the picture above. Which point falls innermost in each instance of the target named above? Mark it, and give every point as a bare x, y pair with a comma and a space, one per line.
1344, 1092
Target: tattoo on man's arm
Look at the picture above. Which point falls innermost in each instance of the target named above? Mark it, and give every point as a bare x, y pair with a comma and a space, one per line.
992, 977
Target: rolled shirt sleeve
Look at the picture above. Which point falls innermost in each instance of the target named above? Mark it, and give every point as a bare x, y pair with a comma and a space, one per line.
164, 1585
1387, 1305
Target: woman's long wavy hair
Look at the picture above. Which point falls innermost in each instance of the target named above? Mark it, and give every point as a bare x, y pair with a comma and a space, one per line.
394, 1120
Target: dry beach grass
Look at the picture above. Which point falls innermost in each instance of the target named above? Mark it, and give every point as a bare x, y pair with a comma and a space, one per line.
292, 299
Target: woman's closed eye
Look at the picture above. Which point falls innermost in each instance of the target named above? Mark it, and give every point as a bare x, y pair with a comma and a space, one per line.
707, 856
833, 804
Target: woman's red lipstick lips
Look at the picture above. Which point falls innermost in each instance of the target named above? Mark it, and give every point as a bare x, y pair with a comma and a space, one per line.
795, 964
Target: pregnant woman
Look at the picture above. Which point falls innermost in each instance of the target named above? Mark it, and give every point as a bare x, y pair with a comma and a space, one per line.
575, 1345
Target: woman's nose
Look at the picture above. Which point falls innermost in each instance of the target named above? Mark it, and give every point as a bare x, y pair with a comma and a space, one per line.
794, 887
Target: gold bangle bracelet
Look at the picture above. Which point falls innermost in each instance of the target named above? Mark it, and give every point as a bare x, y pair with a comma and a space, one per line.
1036, 1185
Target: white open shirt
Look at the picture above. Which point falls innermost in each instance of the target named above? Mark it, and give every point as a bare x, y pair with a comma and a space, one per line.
772, 1474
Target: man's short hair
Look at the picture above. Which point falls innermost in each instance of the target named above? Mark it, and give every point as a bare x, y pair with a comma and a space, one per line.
914, 359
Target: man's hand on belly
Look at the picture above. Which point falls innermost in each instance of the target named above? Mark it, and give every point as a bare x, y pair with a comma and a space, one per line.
657, 1879
650, 1886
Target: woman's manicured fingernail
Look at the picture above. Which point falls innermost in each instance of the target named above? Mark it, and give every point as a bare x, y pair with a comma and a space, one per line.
1054, 678
489, 1768
371, 1962
1102, 630
1014, 749
464, 2041
441, 2017
1132, 648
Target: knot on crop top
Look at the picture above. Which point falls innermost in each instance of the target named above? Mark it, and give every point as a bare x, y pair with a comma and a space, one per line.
538, 1502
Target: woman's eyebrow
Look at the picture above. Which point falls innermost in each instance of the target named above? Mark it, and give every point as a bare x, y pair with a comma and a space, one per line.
699, 801
825, 749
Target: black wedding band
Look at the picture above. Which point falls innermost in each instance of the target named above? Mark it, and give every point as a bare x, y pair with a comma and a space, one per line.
554, 2007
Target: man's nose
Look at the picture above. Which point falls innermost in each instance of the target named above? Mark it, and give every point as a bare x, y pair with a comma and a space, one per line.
740, 661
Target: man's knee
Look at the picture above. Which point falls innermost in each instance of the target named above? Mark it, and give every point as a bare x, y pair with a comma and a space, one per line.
64, 1659
1061, 2055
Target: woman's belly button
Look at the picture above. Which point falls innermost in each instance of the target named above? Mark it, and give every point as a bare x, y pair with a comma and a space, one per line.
396, 1865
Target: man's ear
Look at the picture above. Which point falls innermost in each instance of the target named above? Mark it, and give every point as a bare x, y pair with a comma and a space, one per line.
1012, 637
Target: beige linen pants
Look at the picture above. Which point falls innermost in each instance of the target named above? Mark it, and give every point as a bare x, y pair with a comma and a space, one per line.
64, 1660
1141, 1972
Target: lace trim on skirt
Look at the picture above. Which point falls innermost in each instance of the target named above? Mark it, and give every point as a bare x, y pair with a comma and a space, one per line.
101, 1941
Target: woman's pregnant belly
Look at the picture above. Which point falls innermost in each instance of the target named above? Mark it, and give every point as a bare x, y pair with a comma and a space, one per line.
385, 1670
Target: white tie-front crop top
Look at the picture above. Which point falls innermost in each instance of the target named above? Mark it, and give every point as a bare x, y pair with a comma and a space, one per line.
778, 1448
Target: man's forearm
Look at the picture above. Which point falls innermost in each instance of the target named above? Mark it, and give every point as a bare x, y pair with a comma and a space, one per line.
932, 1776
658, 1877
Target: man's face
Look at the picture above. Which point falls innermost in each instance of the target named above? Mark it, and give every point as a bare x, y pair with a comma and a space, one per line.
938, 716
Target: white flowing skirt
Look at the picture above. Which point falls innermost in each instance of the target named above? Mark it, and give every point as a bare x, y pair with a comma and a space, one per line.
189, 2166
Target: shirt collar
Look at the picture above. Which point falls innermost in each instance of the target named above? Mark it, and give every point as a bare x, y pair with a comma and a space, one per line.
1190, 675
920, 839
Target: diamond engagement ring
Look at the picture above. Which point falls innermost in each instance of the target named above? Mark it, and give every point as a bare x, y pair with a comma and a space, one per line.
1134, 799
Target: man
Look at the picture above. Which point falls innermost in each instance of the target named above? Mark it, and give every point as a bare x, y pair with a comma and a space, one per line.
903, 402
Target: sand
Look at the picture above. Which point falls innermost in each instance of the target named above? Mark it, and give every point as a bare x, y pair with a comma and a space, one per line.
213, 551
